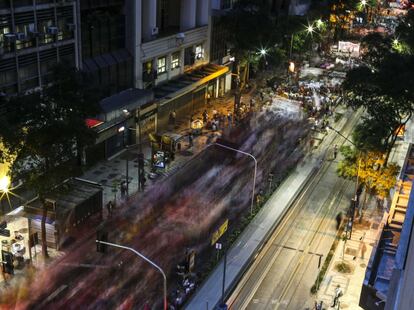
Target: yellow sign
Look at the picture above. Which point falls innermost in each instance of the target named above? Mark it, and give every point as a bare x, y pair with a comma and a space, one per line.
219, 232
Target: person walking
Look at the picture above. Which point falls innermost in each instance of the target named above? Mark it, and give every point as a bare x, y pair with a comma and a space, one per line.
123, 189
229, 119
335, 151
173, 117
190, 140
142, 181
109, 208
205, 117
338, 293
338, 220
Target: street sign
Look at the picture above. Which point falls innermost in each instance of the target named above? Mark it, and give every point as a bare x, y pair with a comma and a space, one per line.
219, 232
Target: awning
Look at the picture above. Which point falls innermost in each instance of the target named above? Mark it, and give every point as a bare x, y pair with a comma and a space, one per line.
129, 99
188, 82
90, 122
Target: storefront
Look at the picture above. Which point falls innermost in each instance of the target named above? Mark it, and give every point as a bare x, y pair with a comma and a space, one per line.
189, 93
119, 122
70, 205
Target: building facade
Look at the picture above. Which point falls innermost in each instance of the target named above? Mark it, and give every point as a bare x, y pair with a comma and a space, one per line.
35, 35
161, 46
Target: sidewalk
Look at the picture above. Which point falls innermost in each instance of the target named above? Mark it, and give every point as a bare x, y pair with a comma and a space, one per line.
357, 252
110, 173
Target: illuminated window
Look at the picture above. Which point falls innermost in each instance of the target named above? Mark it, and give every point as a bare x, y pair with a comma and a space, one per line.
162, 64
175, 60
199, 52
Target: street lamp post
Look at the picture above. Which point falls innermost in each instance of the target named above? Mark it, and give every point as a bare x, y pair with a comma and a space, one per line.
148, 261
255, 167
357, 176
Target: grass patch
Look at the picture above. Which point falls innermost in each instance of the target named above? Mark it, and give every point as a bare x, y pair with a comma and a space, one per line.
343, 267
337, 117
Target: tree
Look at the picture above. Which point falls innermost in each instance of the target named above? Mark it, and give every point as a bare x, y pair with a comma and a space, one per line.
370, 169
383, 89
250, 29
41, 133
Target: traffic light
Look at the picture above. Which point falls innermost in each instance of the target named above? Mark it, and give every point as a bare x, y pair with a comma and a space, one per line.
101, 235
7, 260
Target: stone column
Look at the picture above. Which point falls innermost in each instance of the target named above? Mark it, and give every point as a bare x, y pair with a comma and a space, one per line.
202, 13
188, 14
149, 18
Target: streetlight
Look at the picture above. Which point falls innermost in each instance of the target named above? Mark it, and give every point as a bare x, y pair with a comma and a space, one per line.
4, 184
359, 165
148, 261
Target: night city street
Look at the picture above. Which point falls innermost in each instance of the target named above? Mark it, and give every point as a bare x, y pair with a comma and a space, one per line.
206, 154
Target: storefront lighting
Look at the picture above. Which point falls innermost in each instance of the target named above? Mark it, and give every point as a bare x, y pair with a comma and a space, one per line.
232, 58
263, 52
310, 29
121, 129
363, 2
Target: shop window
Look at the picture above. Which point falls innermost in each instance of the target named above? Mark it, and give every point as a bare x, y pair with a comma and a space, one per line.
175, 60
162, 65
199, 52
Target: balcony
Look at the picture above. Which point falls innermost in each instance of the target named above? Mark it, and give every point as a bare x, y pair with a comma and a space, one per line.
165, 45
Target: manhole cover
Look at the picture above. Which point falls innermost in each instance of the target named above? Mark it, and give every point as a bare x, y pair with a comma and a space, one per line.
23, 230
363, 265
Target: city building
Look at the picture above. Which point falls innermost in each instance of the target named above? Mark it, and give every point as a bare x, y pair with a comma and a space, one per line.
389, 278
35, 35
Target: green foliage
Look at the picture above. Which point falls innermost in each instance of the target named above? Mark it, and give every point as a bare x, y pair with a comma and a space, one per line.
343, 267
405, 33
42, 131
383, 88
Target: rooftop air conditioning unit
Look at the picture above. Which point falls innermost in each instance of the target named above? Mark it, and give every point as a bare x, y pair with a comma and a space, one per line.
180, 35
52, 30
154, 31
20, 36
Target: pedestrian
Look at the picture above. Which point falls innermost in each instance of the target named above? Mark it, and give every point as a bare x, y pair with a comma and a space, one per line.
123, 189
173, 117
363, 250
338, 220
142, 181
190, 140
338, 293
229, 119
205, 117
109, 208
335, 151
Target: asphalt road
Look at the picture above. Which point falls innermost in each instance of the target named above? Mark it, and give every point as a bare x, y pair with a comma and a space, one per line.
286, 268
